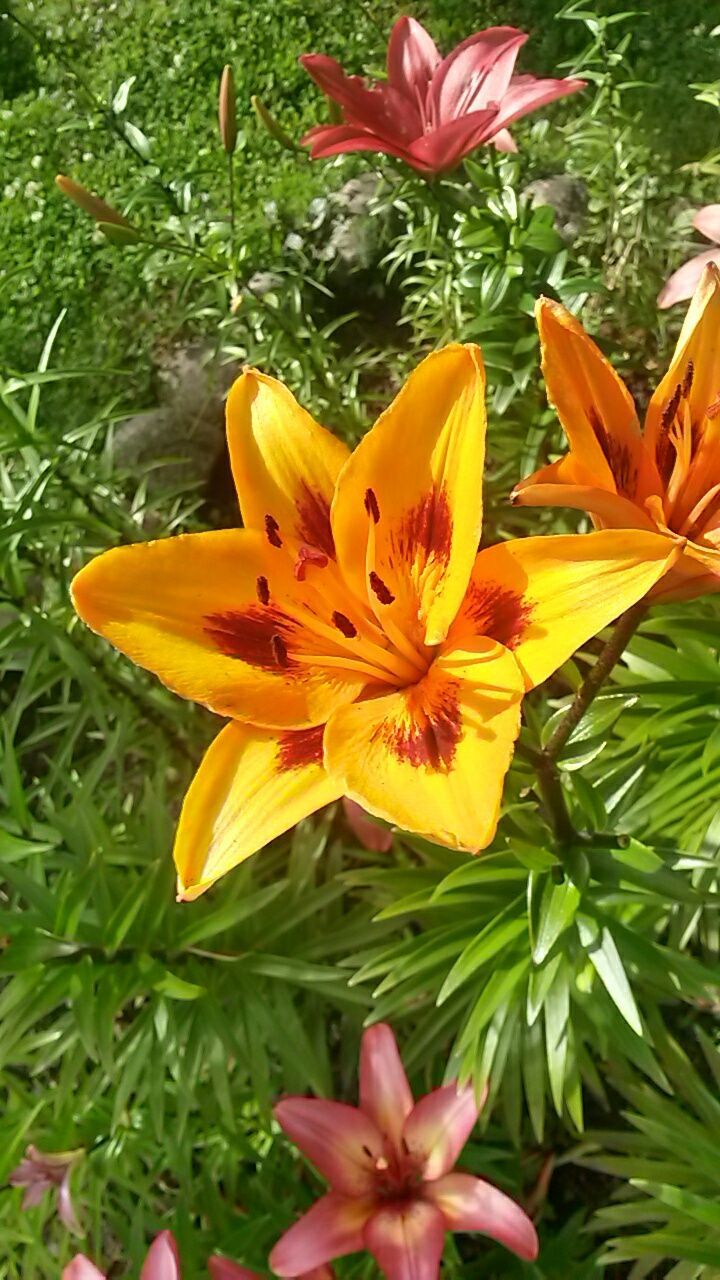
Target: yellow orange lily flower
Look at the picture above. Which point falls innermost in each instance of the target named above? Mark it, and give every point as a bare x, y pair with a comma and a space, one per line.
351, 630
665, 478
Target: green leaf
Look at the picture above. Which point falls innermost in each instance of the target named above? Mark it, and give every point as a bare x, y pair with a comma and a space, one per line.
557, 911
605, 958
697, 1207
177, 988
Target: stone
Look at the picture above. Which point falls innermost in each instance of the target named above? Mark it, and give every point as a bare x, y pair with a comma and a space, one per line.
568, 196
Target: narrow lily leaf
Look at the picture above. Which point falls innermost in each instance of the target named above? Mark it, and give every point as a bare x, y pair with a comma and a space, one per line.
557, 1012
557, 911
605, 958
703, 1210
177, 988
488, 943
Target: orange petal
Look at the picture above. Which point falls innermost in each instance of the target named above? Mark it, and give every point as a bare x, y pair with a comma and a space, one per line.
284, 464
414, 757
696, 573
593, 405
252, 786
221, 619
544, 597
694, 372
567, 483
408, 508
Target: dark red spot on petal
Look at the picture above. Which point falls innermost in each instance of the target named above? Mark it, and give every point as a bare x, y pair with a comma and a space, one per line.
430, 734
371, 505
279, 649
427, 527
301, 747
305, 557
263, 590
343, 623
314, 528
497, 612
272, 529
249, 635
383, 593
617, 456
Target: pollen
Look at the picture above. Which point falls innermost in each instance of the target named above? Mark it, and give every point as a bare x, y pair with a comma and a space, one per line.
263, 590
383, 593
272, 529
371, 505
343, 623
279, 649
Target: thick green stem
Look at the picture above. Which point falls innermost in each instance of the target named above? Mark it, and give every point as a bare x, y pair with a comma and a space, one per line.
548, 774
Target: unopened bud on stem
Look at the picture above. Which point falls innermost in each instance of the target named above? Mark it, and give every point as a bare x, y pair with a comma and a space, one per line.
90, 203
269, 122
227, 115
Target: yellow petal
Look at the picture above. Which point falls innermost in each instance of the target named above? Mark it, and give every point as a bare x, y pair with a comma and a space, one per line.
251, 787
432, 758
567, 483
544, 597
408, 505
593, 405
284, 464
220, 618
694, 373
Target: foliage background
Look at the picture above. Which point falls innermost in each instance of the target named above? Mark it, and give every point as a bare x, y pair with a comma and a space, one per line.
156, 1036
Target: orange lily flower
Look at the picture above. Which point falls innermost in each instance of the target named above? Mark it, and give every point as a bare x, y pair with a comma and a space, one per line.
665, 478
351, 630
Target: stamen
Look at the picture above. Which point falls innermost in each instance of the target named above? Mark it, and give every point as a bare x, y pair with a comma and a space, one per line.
381, 1164
263, 590
688, 379
671, 407
343, 623
279, 649
272, 529
367, 1152
305, 557
383, 593
371, 505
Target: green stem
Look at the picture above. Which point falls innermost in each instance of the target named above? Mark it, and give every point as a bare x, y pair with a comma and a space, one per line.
231, 187
548, 774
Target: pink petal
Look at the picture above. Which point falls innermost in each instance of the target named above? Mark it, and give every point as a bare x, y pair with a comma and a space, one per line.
503, 141
407, 1240
66, 1208
368, 832
682, 283
438, 1127
81, 1268
469, 1204
224, 1269
34, 1194
340, 139
476, 73
528, 94
707, 222
381, 108
412, 57
384, 1090
341, 1141
333, 1227
444, 148
162, 1261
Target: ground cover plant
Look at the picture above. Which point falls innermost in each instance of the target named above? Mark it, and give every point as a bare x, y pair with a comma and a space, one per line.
433, 826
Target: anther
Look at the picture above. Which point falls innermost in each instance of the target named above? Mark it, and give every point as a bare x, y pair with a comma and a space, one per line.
371, 505
671, 407
688, 379
381, 1164
272, 529
383, 593
263, 590
344, 624
279, 649
368, 1152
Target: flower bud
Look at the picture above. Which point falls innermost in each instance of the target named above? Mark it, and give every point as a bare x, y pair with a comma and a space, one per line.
120, 235
227, 116
90, 203
269, 122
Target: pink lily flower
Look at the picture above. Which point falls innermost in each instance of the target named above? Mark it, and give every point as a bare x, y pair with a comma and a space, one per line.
38, 1172
161, 1263
389, 1163
682, 283
431, 111
369, 833
224, 1269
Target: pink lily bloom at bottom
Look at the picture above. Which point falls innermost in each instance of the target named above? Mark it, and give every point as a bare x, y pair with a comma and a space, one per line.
389, 1163
163, 1263
682, 283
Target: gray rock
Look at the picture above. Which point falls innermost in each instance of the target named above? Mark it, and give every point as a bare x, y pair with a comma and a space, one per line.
179, 442
568, 196
263, 282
